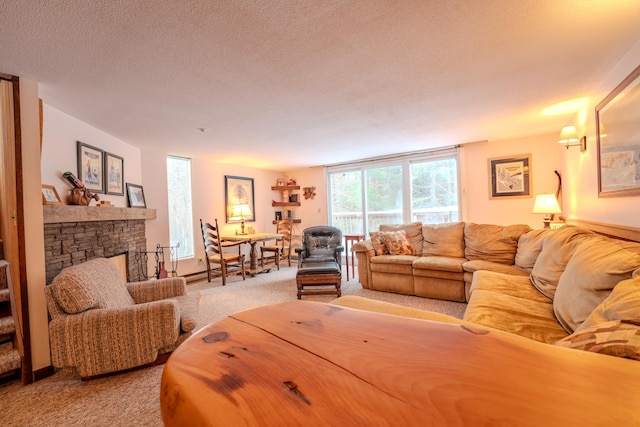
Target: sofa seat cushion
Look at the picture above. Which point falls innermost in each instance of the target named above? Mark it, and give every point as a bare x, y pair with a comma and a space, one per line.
480, 265
400, 264
520, 316
490, 242
557, 247
516, 286
443, 240
441, 263
413, 231
596, 266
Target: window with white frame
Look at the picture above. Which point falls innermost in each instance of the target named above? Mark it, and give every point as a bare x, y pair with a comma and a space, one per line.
180, 206
418, 187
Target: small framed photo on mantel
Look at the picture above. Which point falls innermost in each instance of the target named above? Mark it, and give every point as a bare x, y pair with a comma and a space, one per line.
135, 195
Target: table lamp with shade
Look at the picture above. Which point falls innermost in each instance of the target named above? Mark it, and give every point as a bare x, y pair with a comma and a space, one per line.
239, 212
546, 204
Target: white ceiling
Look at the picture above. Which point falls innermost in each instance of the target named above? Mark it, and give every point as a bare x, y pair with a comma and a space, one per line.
285, 84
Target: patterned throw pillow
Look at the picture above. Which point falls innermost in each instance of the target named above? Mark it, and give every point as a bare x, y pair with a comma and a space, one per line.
616, 338
397, 242
378, 243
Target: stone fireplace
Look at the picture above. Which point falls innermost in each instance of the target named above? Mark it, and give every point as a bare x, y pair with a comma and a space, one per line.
75, 234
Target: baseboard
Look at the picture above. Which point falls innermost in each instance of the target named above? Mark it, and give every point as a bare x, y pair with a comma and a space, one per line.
43, 373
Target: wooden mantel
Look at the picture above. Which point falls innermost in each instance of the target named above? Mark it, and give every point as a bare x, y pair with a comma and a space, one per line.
69, 213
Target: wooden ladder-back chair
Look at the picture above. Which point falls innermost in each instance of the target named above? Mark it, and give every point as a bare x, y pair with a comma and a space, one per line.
213, 251
282, 247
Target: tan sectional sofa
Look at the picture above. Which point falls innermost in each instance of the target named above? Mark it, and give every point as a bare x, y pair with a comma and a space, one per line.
441, 260
571, 287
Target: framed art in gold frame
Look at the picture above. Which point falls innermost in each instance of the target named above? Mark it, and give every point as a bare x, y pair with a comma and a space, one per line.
618, 138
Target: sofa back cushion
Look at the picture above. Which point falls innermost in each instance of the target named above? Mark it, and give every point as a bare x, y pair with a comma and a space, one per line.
443, 240
557, 247
529, 247
413, 231
595, 267
622, 303
490, 242
96, 283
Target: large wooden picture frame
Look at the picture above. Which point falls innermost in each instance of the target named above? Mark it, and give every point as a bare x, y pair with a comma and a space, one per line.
618, 137
510, 176
238, 191
90, 167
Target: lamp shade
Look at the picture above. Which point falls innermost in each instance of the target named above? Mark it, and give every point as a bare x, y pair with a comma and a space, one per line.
568, 135
240, 211
546, 204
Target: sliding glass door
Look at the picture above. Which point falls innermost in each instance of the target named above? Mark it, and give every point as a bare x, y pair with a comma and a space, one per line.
421, 188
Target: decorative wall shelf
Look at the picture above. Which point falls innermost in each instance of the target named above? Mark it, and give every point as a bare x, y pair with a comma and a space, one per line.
285, 204
70, 213
295, 221
285, 187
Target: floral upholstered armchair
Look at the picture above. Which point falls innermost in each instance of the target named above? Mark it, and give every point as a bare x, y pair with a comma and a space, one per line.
99, 324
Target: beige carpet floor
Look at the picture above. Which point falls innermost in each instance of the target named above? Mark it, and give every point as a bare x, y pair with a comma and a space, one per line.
133, 398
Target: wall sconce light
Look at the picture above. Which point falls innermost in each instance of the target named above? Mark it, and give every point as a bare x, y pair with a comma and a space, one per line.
546, 204
569, 138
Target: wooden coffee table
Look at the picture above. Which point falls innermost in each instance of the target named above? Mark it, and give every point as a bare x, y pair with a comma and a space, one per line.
309, 363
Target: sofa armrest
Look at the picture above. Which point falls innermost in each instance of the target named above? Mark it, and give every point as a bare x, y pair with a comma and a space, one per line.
363, 246
154, 290
108, 340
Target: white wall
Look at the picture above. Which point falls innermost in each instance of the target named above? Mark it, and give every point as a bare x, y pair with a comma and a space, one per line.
546, 156
208, 182
582, 168
59, 152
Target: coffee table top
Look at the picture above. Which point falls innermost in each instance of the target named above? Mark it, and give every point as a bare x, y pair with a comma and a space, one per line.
309, 363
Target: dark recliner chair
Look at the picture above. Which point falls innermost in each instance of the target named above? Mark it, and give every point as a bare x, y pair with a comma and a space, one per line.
319, 261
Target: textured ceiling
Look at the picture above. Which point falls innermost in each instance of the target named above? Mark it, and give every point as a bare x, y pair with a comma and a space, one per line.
284, 84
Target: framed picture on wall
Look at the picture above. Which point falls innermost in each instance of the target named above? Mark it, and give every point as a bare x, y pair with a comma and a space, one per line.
510, 176
114, 174
90, 167
618, 137
239, 199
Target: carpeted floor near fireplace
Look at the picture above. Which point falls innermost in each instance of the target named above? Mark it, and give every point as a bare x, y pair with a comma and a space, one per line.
133, 398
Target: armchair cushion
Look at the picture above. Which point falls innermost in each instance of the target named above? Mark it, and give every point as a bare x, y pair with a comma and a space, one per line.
74, 295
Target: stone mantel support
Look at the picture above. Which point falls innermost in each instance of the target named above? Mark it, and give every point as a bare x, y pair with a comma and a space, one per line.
54, 214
